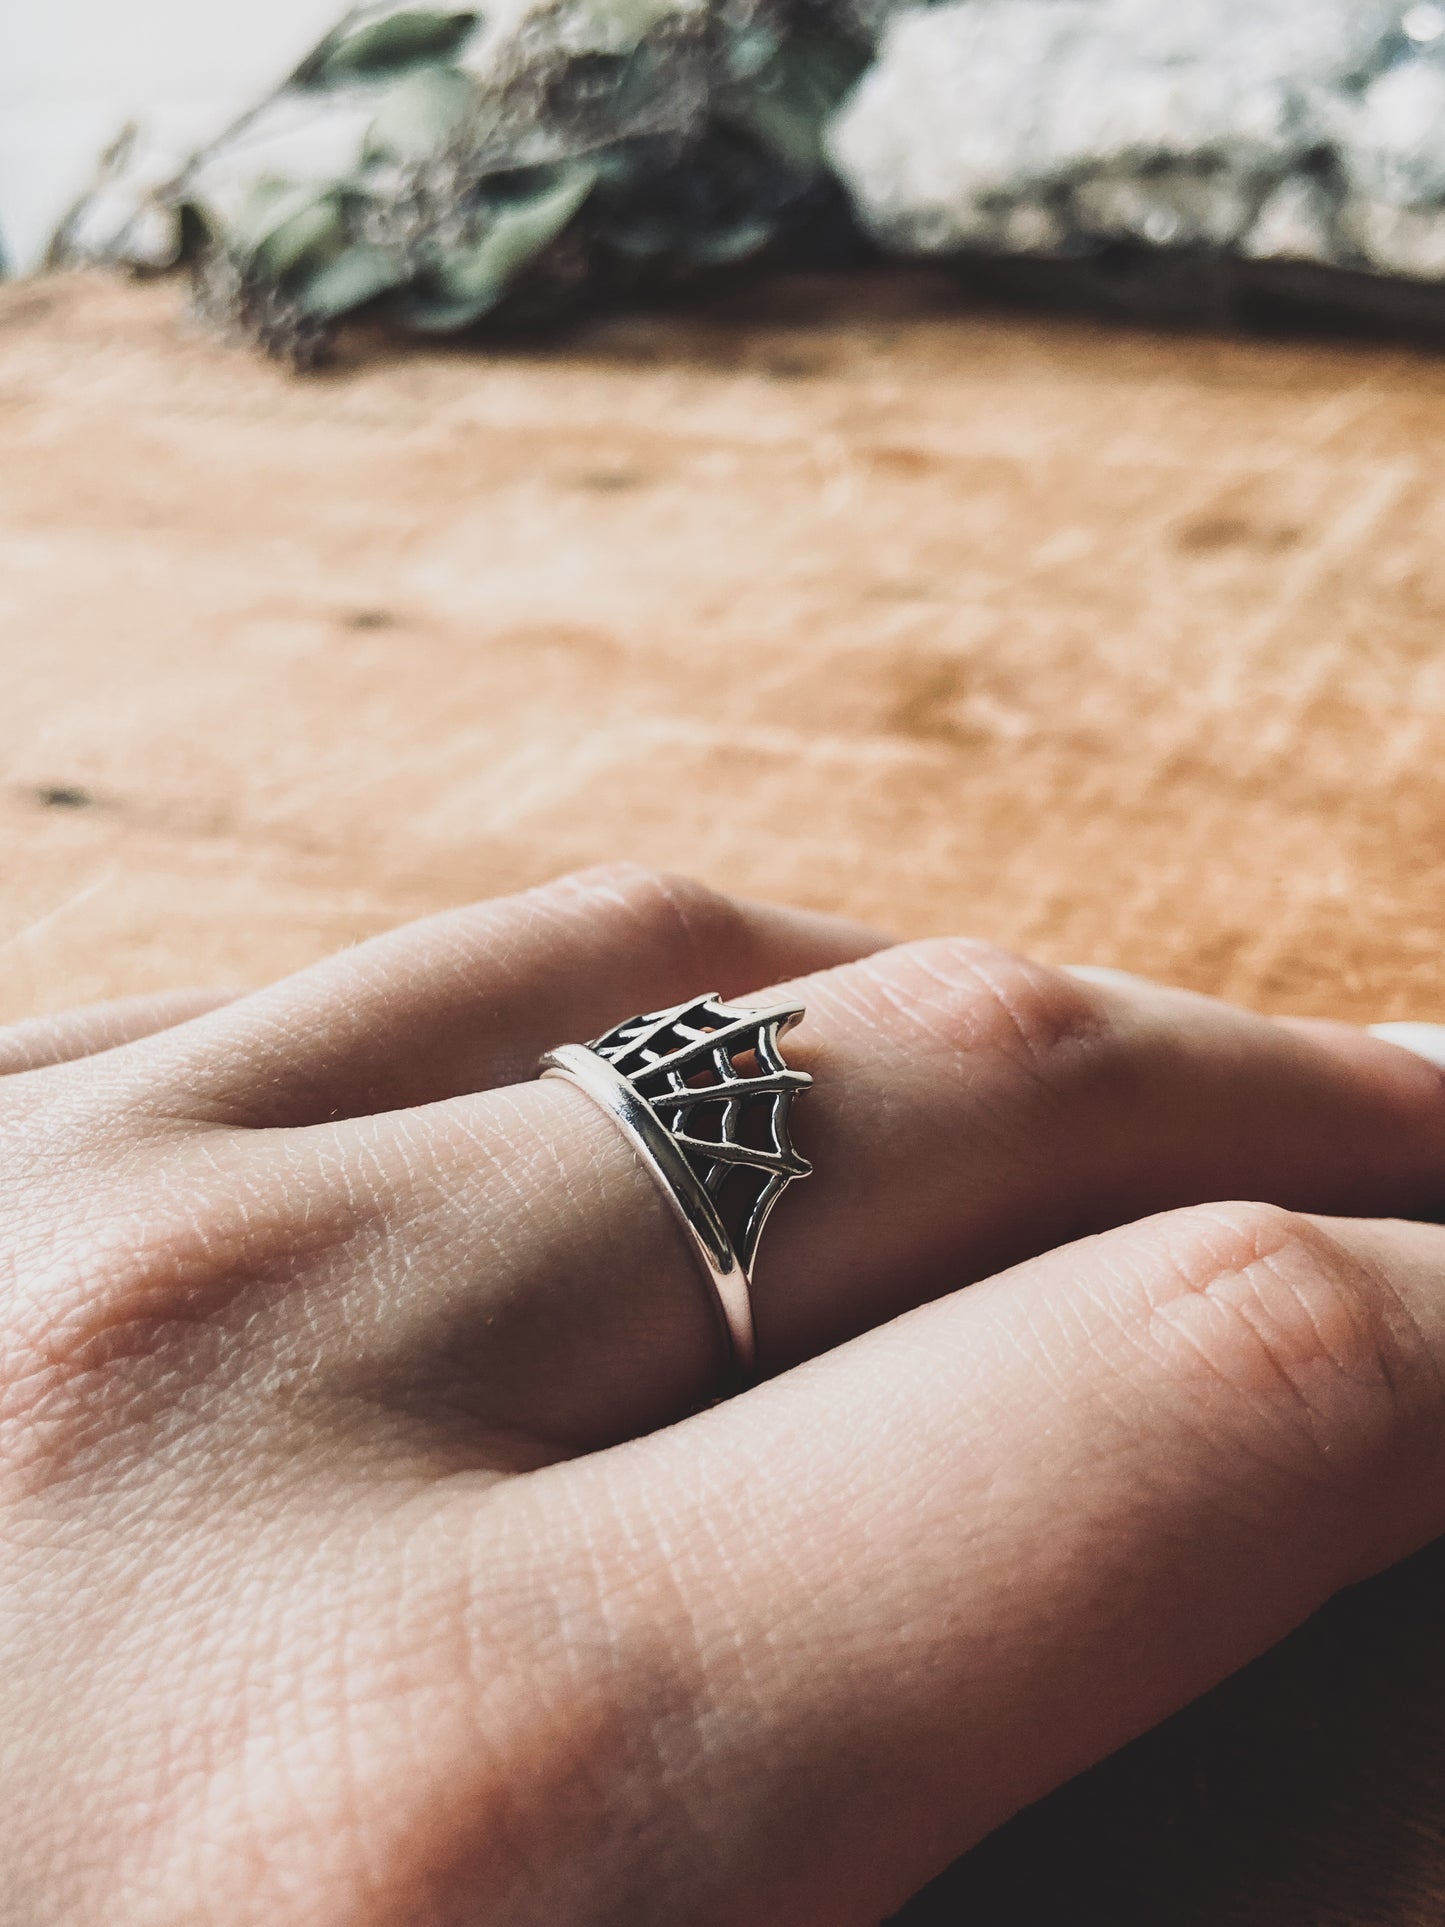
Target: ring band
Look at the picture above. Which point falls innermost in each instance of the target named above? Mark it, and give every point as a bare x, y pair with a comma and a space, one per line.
703, 1094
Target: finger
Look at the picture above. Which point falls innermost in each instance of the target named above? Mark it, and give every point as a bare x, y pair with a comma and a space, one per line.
1424, 1040
469, 999
969, 1109
82, 1032
859, 1616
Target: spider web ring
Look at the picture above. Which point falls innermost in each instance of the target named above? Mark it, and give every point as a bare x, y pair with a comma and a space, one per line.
657, 1072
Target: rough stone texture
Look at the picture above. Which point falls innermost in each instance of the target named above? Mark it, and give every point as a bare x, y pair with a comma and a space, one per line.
1281, 129
1115, 648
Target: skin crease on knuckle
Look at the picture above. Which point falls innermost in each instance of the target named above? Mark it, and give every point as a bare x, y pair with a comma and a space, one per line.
966, 997
673, 909
1295, 1350
1037, 1057
172, 1237
651, 912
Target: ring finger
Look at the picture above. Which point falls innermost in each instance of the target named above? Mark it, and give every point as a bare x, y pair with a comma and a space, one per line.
970, 1110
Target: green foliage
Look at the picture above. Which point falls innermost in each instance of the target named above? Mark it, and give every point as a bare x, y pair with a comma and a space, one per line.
787, 99
469, 282
283, 227
422, 114
349, 280
592, 136
391, 45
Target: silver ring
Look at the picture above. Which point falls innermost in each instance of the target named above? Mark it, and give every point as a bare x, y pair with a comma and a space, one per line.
703, 1094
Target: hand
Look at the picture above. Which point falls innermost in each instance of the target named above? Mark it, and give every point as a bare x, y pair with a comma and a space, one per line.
370, 1553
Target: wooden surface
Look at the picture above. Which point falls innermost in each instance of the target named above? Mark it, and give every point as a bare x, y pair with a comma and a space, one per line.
1116, 648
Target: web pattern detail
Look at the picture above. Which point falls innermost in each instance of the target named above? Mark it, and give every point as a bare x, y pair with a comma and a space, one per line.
714, 1075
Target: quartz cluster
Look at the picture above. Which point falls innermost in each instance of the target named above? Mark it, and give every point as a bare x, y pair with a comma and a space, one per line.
449, 164
1308, 130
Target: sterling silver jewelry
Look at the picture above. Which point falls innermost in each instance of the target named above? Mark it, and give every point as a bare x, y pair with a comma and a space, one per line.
703, 1093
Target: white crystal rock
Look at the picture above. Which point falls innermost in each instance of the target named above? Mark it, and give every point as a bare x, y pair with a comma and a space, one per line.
1278, 129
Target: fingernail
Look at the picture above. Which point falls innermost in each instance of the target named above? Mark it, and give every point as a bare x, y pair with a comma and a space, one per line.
1426, 1040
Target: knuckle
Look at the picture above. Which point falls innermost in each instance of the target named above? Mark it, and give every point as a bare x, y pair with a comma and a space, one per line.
674, 913
1267, 1308
968, 996
105, 1307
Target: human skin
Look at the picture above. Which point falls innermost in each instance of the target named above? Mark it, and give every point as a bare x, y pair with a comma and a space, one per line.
374, 1553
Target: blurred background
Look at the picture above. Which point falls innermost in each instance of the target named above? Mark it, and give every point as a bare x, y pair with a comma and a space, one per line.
75, 72
975, 468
